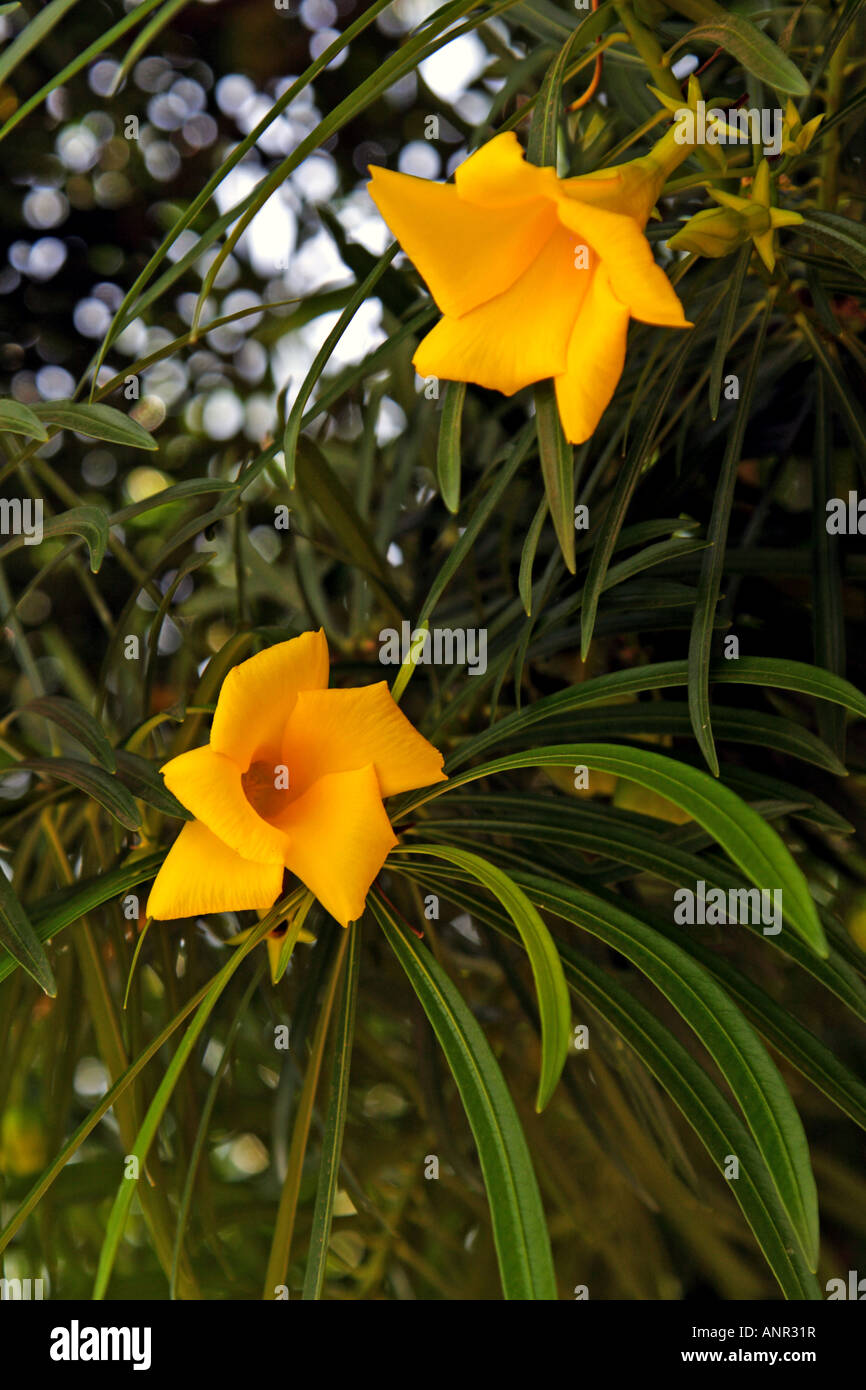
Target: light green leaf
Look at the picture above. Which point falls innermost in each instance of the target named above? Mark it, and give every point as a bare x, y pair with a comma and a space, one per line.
97, 422
91, 523
20, 419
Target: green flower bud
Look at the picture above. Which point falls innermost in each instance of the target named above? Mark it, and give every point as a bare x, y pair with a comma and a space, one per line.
714, 232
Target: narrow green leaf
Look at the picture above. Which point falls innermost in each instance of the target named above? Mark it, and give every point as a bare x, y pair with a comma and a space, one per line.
527, 557
280, 1252
72, 717
91, 523
448, 448
97, 422
657, 718
828, 620
709, 1113
746, 1066
407, 667
32, 34
20, 940
108, 791
20, 419
59, 910
627, 480
335, 1122
713, 564
541, 146
146, 1134
757, 53
550, 986
752, 844
519, 1226
772, 672
293, 424
844, 237
557, 468
317, 480
726, 328
142, 779
193, 487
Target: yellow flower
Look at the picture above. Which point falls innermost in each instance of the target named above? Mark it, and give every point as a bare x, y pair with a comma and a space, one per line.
797, 137
293, 778
536, 276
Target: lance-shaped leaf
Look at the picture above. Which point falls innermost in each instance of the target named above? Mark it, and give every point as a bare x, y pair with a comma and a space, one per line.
92, 780
72, 717
519, 1228
752, 844
553, 1005
20, 940
97, 422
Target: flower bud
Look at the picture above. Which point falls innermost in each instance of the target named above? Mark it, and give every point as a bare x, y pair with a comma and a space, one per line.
714, 232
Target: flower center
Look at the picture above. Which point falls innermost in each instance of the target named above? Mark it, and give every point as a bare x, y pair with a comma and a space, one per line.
267, 788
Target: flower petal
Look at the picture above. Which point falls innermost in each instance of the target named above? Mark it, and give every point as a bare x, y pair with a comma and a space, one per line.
635, 278
631, 189
466, 254
519, 337
339, 837
200, 874
595, 361
257, 697
209, 784
343, 730
498, 175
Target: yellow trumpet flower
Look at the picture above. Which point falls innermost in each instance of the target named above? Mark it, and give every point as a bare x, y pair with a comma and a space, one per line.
293, 778
536, 276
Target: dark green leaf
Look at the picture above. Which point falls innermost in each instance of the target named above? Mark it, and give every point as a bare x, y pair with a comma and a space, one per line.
69, 715
519, 1226
108, 791
20, 940
142, 779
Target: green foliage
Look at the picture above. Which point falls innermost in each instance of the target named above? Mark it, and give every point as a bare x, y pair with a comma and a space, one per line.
519, 1074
